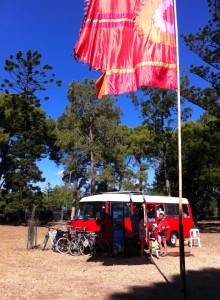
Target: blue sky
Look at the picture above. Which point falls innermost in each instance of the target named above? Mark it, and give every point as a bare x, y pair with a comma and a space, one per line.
52, 27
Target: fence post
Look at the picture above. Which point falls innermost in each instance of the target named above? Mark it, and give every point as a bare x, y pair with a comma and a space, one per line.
32, 235
32, 230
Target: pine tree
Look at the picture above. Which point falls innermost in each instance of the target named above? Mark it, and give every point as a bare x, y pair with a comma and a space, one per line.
87, 134
23, 130
206, 44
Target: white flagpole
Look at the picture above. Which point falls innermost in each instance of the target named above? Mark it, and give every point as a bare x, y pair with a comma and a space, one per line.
181, 238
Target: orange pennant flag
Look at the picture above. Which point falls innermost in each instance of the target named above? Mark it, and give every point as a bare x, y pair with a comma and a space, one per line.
132, 42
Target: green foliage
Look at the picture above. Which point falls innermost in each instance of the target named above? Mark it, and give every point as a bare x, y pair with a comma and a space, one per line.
86, 132
24, 132
26, 77
159, 111
57, 197
51, 133
22, 143
140, 143
202, 178
206, 44
99, 153
201, 164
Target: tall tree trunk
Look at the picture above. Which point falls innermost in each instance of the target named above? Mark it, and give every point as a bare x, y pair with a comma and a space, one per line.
92, 172
167, 182
74, 200
92, 167
140, 176
166, 177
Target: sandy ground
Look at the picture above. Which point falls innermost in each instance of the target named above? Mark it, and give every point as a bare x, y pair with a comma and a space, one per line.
36, 274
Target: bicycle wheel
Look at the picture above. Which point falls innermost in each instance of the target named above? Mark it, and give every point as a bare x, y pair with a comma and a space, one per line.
63, 245
102, 248
45, 242
76, 247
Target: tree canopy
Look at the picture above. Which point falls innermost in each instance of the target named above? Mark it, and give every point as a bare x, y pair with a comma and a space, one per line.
206, 44
23, 131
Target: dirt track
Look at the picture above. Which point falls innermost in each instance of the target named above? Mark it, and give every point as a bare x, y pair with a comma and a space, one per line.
36, 274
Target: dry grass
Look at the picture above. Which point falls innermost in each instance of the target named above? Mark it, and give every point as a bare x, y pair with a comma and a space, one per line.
36, 274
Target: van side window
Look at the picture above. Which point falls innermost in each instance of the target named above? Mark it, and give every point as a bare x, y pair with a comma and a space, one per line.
160, 209
185, 211
90, 210
125, 206
151, 213
172, 210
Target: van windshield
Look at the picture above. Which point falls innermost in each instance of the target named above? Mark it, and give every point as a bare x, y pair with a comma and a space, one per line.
90, 211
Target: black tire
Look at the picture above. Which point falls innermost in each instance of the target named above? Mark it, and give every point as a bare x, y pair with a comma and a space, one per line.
63, 245
45, 242
76, 247
172, 239
102, 248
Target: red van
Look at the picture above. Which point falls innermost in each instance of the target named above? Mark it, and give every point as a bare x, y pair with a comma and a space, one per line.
154, 205
95, 213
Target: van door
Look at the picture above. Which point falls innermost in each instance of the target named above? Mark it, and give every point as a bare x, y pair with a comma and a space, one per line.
127, 219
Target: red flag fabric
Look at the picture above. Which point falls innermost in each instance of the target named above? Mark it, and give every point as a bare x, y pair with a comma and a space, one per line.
132, 42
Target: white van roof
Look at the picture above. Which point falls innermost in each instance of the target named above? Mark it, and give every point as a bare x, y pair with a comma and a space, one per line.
131, 197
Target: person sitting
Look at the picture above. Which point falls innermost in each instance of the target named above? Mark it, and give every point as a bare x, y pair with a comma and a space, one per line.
153, 243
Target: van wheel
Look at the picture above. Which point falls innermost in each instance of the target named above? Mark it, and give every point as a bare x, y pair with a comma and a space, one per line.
172, 239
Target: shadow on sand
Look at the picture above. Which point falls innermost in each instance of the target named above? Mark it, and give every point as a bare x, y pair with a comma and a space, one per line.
121, 260
200, 285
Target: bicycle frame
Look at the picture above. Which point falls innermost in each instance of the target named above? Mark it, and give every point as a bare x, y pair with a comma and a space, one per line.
49, 236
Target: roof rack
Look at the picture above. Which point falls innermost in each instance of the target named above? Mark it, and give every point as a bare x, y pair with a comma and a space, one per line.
130, 193
125, 192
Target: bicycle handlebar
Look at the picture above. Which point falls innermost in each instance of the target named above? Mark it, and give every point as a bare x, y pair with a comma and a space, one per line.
84, 232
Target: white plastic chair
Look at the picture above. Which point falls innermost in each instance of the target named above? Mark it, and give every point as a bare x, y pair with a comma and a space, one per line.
194, 235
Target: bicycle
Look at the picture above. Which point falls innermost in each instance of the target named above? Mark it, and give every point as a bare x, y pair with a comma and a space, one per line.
102, 247
81, 244
53, 234
90, 243
76, 247
68, 244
